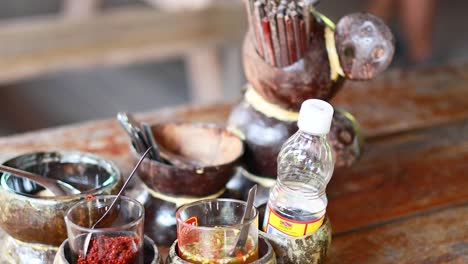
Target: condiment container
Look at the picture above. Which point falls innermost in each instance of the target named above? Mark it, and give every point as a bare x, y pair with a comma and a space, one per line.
216, 231
264, 135
117, 236
288, 87
214, 151
165, 187
359, 47
34, 224
151, 254
312, 249
266, 254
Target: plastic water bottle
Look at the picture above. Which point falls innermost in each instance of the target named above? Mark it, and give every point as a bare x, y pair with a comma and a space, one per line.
297, 203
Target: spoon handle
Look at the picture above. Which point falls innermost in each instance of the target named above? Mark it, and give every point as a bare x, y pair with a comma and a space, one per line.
137, 127
122, 189
148, 132
128, 124
248, 214
87, 241
50, 184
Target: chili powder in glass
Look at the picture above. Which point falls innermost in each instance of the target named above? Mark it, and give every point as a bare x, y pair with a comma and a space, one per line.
112, 250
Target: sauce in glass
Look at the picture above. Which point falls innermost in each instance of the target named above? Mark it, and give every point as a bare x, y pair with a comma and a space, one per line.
214, 252
111, 250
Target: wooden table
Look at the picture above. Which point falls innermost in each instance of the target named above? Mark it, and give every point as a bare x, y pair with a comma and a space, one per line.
406, 201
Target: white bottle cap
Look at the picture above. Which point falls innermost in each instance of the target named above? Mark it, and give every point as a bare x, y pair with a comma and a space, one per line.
315, 117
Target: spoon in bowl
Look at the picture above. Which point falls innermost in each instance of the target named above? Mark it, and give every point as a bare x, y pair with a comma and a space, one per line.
87, 240
248, 214
132, 127
57, 187
142, 137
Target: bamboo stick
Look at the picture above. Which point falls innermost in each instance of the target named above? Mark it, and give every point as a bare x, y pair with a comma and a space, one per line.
291, 42
283, 40
269, 43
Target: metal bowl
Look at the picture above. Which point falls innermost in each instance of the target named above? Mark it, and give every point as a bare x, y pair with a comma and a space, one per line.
31, 218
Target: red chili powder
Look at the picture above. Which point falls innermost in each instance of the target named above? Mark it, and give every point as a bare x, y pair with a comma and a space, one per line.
111, 250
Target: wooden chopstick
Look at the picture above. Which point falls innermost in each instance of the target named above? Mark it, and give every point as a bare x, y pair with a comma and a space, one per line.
282, 29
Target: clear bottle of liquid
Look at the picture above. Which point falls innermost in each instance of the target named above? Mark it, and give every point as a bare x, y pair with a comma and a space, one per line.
298, 201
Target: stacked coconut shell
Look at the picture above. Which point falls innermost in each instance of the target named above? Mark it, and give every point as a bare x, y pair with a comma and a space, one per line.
359, 47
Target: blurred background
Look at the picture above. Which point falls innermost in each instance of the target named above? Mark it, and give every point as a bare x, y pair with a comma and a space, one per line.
67, 61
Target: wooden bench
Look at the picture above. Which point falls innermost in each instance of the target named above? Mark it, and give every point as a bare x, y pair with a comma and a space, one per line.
84, 36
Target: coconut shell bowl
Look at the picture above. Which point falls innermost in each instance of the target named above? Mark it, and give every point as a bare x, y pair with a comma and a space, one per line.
210, 155
207, 157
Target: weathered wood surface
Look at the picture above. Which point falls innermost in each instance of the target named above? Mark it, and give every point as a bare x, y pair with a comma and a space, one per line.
428, 238
402, 100
105, 138
119, 36
402, 175
405, 202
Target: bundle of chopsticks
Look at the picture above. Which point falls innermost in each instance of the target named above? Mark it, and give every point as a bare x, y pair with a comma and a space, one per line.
282, 29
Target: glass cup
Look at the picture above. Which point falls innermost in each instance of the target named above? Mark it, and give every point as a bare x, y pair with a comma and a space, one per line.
208, 231
118, 237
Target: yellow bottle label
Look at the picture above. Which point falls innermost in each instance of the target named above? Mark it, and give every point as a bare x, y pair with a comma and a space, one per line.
277, 225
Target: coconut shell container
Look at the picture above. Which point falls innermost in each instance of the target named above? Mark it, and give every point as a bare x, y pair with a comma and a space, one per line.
196, 162
32, 218
285, 65
359, 47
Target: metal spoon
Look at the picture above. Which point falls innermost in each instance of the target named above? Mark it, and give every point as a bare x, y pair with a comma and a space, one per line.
57, 187
164, 155
87, 240
132, 128
144, 139
179, 161
140, 134
148, 133
248, 214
